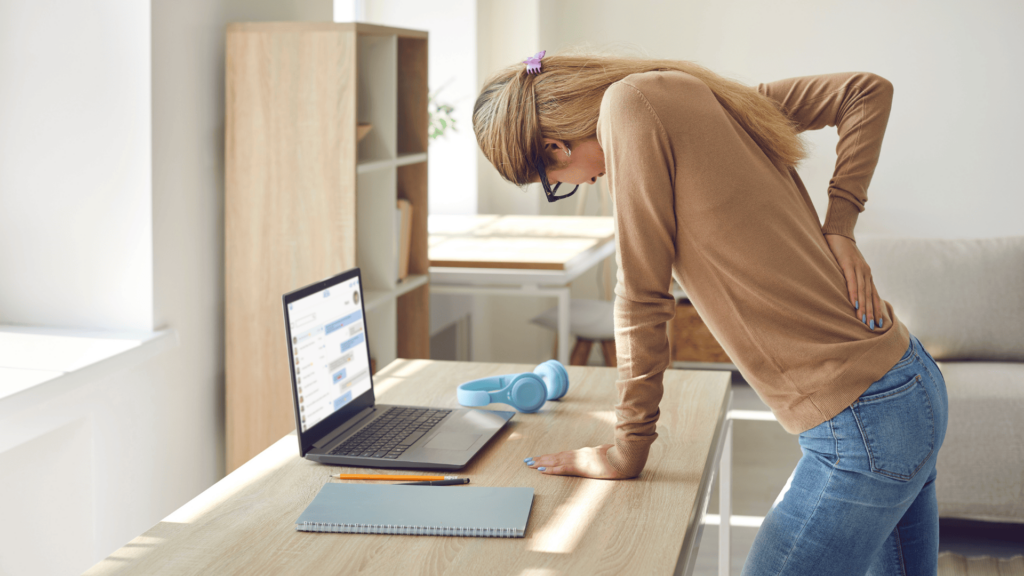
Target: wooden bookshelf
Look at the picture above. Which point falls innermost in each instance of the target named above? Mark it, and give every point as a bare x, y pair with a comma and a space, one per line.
305, 199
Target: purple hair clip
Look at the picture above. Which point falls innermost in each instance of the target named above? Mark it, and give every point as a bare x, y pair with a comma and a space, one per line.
533, 62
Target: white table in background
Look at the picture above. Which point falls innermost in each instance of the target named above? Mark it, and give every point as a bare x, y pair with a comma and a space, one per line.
533, 256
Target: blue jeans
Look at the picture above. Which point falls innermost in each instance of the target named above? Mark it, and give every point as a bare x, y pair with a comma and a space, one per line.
862, 498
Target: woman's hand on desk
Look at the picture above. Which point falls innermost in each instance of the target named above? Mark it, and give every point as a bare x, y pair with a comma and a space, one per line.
586, 462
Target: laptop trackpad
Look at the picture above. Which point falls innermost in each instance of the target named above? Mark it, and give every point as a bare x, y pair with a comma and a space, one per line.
452, 441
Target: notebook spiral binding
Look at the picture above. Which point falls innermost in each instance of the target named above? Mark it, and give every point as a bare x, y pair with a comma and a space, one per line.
409, 530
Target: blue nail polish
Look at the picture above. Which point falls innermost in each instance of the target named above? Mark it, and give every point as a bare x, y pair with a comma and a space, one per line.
542, 468
872, 324
529, 462
527, 459
879, 322
864, 318
856, 304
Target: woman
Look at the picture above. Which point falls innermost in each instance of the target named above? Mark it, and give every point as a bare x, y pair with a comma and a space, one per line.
702, 173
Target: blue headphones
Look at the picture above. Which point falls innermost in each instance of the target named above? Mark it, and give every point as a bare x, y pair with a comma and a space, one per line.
527, 392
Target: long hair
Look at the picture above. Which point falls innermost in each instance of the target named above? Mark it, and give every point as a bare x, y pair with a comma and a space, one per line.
516, 110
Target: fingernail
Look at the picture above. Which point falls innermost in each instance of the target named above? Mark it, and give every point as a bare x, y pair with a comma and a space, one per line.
879, 322
542, 468
529, 462
527, 459
864, 318
872, 324
856, 304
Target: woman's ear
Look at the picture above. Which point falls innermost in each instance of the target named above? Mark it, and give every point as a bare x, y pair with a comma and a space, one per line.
557, 150
551, 146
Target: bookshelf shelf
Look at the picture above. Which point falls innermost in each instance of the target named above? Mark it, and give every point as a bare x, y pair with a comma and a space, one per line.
402, 160
309, 195
375, 298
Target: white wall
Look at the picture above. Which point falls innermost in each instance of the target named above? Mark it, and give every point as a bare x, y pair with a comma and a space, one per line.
130, 96
452, 74
508, 32
75, 210
952, 140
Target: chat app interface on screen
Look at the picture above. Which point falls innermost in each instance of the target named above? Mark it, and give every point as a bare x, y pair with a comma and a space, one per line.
329, 351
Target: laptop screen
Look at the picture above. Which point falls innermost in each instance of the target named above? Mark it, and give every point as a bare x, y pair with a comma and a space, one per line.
330, 358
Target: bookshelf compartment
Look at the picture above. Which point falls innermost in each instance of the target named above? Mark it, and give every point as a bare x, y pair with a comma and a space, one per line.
376, 247
413, 315
412, 96
377, 81
412, 185
380, 327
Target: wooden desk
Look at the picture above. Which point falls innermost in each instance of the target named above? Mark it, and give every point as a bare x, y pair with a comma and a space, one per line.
245, 524
529, 256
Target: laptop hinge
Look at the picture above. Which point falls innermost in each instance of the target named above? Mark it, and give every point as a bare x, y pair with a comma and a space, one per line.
344, 428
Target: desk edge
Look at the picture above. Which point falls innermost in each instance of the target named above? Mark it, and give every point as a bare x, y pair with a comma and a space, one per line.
695, 524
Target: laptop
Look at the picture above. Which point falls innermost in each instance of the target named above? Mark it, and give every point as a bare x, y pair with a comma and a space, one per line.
336, 416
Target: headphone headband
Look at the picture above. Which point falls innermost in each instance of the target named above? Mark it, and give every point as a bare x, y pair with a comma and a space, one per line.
527, 391
477, 392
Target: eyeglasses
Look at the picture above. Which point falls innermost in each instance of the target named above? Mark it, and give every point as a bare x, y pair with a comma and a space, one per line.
549, 192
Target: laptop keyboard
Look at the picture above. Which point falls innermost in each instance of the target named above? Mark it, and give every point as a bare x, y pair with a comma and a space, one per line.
391, 434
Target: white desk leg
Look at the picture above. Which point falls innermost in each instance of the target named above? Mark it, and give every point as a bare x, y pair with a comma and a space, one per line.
563, 326
725, 501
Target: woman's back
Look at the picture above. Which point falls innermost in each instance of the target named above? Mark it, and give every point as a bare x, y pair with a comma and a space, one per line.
696, 195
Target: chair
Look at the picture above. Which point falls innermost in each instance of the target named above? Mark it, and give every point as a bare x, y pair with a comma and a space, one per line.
590, 321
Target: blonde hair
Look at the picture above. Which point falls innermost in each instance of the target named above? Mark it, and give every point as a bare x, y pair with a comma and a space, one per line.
516, 110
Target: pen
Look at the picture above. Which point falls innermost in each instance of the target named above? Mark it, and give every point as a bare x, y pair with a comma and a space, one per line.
390, 477
437, 483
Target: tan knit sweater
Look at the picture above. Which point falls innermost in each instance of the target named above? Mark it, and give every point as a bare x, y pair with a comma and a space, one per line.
696, 198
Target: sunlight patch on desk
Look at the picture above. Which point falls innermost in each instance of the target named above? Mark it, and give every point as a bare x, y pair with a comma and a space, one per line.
561, 534
382, 385
762, 415
734, 520
406, 368
133, 550
607, 416
264, 463
395, 374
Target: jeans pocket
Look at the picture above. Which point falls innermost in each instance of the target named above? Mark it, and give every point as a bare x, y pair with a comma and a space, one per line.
898, 428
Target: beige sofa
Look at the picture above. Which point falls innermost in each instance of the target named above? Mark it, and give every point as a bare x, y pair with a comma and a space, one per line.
964, 300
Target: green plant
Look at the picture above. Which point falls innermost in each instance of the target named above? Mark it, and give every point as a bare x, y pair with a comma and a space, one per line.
441, 119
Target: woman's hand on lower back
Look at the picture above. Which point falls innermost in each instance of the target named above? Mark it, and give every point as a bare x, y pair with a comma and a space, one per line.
860, 285
586, 462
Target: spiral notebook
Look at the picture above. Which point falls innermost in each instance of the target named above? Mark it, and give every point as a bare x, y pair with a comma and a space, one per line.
418, 510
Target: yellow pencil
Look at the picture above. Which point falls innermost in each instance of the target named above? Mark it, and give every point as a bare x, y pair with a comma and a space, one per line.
390, 477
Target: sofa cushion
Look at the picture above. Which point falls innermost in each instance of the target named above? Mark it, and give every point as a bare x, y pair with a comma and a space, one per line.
963, 298
981, 463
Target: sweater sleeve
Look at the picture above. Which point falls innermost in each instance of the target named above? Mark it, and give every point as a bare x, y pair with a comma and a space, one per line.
858, 105
639, 167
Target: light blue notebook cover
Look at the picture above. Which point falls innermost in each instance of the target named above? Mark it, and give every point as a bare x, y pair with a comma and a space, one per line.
418, 510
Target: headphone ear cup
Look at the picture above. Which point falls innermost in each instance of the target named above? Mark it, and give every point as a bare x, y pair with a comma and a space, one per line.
527, 393
556, 379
